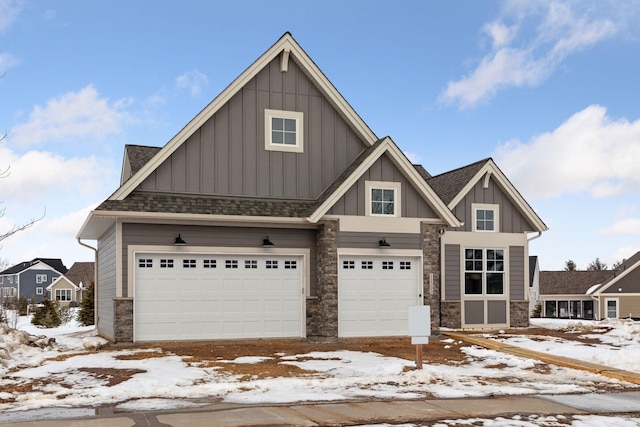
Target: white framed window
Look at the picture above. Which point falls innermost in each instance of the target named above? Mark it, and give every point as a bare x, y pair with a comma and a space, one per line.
611, 307
271, 264
188, 263
483, 271
39, 290
382, 198
9, 292
41, 278
251, 263
63, 295
145, 263
231, 263
209, 263
485, 217
284, 131
290, 265
348, 265
166, 263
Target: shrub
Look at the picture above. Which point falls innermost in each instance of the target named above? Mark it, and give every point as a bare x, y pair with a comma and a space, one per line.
47, 314
86, 313
66, 314
537, 311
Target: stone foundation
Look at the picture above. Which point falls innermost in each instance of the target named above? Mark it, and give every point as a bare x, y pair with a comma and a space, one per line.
519, 314
451, 314
123, 319
322, 313
430, 235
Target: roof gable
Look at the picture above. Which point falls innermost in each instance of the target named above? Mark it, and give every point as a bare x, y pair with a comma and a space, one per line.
42, 263
287, 47
453, 186
62, 280
350, 176
618, 274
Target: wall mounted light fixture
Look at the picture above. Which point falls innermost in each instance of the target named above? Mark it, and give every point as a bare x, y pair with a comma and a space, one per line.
266, 243
179, 241
383, 243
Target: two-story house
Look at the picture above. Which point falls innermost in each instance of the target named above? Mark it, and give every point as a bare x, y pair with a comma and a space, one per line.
30, 278
277, 212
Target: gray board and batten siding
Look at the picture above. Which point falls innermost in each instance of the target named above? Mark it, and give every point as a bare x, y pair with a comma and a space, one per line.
511, 219
227, 156
630, 284
452, 272
516, 273
106, 288
224, 237
383, 169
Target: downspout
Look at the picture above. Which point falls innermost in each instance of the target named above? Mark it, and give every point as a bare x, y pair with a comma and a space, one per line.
95, 281
529, 239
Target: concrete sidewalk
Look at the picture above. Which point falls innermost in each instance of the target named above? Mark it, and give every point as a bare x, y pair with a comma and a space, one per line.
354, 413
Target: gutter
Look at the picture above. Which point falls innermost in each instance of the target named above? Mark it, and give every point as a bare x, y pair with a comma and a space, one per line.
529, 239
95, 281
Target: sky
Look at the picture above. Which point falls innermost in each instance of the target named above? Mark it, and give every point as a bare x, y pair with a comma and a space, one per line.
548, 89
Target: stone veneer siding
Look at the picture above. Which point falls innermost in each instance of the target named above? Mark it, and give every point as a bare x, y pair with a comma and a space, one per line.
322, 308
450, 314
519, 314
123, 319
430, 235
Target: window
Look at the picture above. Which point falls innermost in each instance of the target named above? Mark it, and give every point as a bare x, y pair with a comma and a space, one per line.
166, 263
382, 198
145, 263
271, 264
63, 295
550, 309
188, 263
250, 263
290, 265
367, 265
40, 290
405, 265
612, 308
348, 265
209, 263
8, 292
484, 271
231, 263
387, 265
41, 278
485, 217
284, 130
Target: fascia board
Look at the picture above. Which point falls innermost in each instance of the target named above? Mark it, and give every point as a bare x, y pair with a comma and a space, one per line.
309, 67
387, 146
507, 187
59, 279
616, 279
40, 266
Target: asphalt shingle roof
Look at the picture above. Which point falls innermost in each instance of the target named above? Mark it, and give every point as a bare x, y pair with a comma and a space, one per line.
447, 185
139, 155
571, 282
55, 263
81, 272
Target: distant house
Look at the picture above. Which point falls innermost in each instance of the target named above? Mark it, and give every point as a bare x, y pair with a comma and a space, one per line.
70, 288
564, 294
619, 295
30, 278
534, 282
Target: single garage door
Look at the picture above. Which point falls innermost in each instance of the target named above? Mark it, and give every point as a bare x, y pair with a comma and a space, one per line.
196, 297
374, 293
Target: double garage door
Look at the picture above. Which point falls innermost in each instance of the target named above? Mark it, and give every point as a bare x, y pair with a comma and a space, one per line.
196, 297
218, 296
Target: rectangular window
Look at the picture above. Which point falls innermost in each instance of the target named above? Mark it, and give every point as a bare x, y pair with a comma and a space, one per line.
63, 295
348, 265
367, 265
145, 263
166, 263
563, 309
8, 292
284, 131
231, 263
271, 264
188, 263
383, 201
209, 263
405, 265
485, 217
387, 265
41, 278
10, 280
550, 309
483, 271
290, 265
40, 290
612, 308
250, 263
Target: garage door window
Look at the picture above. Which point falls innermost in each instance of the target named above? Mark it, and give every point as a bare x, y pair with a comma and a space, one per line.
271, 264
166, 263
188, 263
405, 265
348, 265
387, 265
231, 263
367, 265
290, 265
209, 263
250, 263
145, 263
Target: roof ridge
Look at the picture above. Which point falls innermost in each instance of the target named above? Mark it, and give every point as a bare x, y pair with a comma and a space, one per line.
485, 160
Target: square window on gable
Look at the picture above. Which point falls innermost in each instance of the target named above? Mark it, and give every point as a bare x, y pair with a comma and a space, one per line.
485, 217
382, 198
284, 131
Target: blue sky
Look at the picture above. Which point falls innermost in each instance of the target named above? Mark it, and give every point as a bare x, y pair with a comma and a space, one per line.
549, 89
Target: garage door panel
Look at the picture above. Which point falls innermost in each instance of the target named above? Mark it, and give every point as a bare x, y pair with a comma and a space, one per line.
374, 294
218, 296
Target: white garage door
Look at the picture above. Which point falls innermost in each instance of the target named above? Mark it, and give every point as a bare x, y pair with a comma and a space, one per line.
374, 294
195, 297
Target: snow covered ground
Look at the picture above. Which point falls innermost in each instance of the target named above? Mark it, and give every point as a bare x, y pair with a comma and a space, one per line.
68, 375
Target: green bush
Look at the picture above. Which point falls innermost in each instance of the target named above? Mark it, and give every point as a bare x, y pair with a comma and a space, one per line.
47, 314
86, 313
537, 311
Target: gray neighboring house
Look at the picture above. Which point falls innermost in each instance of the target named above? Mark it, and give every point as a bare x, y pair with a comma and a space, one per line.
619, 294
30, 278
564, 294
277, 212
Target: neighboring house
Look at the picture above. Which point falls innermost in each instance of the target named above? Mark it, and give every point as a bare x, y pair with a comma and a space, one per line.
564, 294
30, 278
71, 287
619, 294
534, 283
277, 212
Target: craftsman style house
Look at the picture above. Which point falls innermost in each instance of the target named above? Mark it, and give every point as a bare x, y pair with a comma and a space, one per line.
277, 212
30, 279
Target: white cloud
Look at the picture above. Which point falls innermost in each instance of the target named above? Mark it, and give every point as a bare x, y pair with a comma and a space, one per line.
193, 81
9, 10
81, 114
589, 153
7, 61
625, 226
559, 30
69, 224
413, 157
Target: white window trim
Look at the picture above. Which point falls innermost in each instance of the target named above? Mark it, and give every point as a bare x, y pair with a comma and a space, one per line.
496, 217
39, 290
59, 292
298, 117
383, 185
484, 272
41, 278
606, 308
